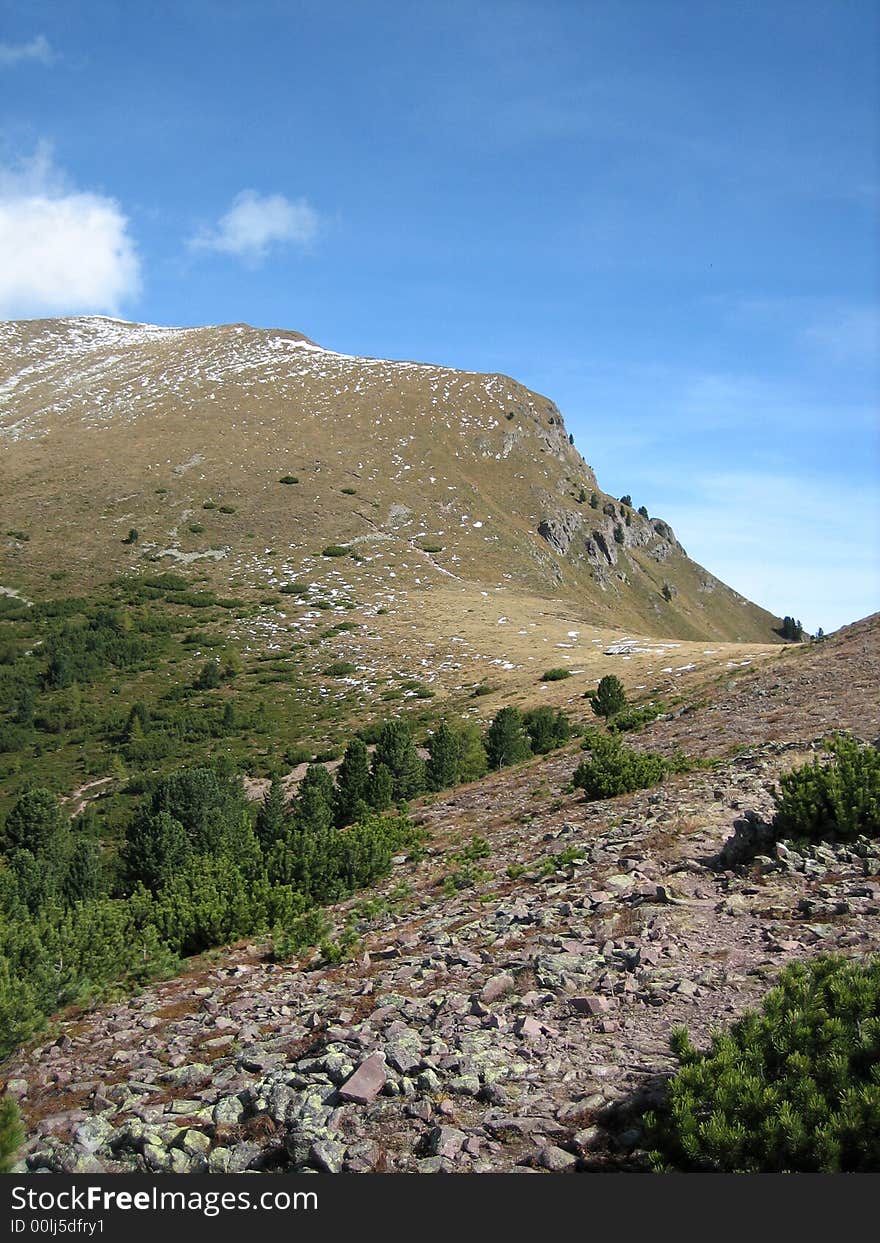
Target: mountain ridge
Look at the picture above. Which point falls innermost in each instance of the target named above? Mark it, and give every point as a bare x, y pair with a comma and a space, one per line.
457, 473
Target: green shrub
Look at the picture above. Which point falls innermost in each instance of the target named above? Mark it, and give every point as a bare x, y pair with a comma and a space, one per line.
289, 479
633, 718
546, 729
555, 675
340, 669
132, 537
335, 550
196, 528
294, 589
349, 491
227, 509
209, 505
609, 696
432, 548
613, 769
840, 799
11, 1133
794, 1086
506, 739
300, 934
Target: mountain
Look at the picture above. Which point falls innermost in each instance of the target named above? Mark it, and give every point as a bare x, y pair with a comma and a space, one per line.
520, 1021
420, 478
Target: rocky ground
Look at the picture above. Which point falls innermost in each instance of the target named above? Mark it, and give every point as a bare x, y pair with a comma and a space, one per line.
508, 1010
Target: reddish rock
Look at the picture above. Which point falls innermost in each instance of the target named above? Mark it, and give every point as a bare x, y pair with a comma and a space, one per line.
588, 1005
366, 1083
496, 987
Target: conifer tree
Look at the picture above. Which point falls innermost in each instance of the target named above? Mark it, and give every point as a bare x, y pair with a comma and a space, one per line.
83, 880
443, 768
313, 805
270, 825
546, 729
381, 790
506, 740
156, 847
472, 759
396, 750
35, 823
609, 697
11, 1133
351, 797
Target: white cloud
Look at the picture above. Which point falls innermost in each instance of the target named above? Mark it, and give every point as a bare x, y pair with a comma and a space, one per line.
39, 49
795, 544
62, 250
255, 223
850, 334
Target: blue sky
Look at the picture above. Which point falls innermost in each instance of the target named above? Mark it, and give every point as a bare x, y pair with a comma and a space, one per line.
661, 213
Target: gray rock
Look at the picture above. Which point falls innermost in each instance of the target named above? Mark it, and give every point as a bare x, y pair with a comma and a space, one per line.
328, 1155
497, 987
228, 1111
443, 1141
557, 1160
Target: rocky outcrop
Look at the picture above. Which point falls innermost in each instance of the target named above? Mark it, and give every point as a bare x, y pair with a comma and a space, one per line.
615, 528
560, 530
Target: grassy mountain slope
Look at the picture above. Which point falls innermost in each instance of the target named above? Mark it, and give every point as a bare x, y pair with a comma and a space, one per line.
425, 475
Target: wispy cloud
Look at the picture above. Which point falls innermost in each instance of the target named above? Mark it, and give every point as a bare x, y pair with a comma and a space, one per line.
802, 545
62, 250
38, 50
256, 223
847, 334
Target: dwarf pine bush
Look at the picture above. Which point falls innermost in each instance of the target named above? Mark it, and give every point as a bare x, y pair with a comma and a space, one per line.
11, 1133
614, 769
794, 1086
609, 696
840, 799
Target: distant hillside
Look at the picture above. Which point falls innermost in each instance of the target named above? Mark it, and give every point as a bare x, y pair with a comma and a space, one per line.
418, 477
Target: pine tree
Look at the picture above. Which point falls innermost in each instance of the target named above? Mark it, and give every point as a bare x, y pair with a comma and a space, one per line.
35, 823
443, 768
472, 759
204, 800
156, 847
313, 805
396, 750
138, 722
11, 1133
546, 729
381, 790
506, 740
271, 823
351, 798
609, 697
36, 884
83, 880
